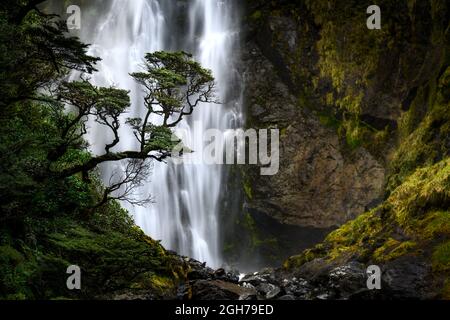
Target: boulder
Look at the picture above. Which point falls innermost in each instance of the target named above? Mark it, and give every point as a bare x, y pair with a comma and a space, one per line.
219, 290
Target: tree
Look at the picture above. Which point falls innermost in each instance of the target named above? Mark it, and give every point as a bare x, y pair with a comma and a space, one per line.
174, 85
36, 50
36, 53
43, 144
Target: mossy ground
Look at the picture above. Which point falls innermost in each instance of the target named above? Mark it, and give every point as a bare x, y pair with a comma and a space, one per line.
114, 255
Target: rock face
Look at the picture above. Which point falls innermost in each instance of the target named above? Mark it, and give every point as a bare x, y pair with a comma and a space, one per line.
319, 184
347, 102
218, 290
363, 119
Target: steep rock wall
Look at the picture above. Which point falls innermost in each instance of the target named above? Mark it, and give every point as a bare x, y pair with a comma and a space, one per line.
319, 184
365, 111
346, 100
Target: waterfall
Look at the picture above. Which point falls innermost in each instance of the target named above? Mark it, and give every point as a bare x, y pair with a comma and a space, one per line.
185, 212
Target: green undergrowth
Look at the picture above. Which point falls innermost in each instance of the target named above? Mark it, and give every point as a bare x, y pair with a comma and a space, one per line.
114, 256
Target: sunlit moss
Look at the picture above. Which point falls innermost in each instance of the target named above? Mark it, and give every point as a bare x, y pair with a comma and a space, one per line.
427, 188
445, 293
392, 249
436, 224
441, 257
427, 142
417, 208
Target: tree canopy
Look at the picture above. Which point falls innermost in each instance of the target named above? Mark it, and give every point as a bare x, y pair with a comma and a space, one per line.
44, 116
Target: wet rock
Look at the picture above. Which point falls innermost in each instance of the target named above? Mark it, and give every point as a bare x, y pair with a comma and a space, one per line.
198, 270
268, 290
232, 277
248, 286
296, 287
265, 283
220, 272
200, 273
184, 292
287, 297
219, 290
408, 277
347, 279
255, 280
249, 296
323, 296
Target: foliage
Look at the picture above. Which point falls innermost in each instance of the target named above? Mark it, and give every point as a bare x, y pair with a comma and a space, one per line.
54, 210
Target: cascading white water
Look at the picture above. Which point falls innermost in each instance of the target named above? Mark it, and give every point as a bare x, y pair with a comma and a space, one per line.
185, 212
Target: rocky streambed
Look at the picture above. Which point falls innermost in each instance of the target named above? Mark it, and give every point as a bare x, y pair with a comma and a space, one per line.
314, 281
207, 284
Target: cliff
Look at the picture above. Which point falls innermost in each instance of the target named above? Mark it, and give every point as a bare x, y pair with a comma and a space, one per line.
364, 120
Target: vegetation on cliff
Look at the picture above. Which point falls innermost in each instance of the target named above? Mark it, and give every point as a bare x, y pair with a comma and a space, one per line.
384, 91
357, 80
415, 219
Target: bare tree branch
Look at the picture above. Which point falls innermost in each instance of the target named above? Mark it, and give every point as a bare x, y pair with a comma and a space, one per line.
122, 184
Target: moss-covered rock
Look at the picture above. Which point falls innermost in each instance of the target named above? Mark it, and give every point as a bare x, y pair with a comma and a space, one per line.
425, 142
413, 221
384, 92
